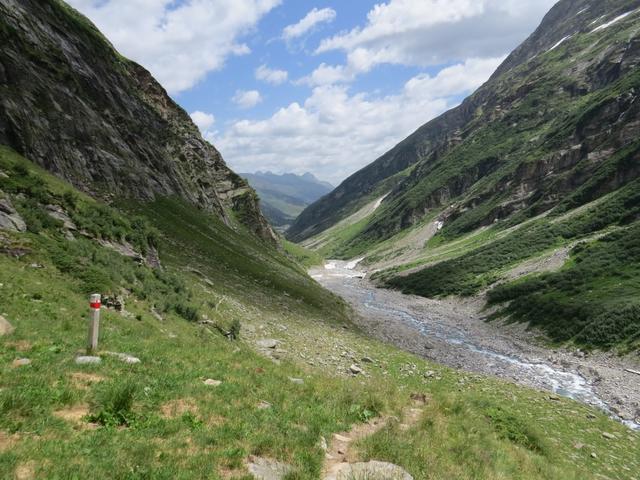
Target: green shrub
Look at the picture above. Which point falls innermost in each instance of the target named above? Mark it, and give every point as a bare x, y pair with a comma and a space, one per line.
513, 428
113, 404
593, 302
188, 312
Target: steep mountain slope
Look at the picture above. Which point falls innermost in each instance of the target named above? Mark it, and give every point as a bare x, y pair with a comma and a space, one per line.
532, 133
73, 105
283, 197
543, 158
218, 355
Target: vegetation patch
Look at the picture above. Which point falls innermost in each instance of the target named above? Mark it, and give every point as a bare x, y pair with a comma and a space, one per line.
593, 301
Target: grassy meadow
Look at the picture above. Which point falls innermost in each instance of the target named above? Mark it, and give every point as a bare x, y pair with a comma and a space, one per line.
159, 419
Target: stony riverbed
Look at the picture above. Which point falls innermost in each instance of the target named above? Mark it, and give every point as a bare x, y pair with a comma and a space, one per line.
454, 333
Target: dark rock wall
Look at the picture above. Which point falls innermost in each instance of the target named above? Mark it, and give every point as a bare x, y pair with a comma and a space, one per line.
72, 104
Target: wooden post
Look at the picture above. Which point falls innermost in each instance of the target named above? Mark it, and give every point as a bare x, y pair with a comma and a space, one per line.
94, 323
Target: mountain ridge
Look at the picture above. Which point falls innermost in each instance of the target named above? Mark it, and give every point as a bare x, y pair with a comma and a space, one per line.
443, 134
81, 128
542, 161
219, 356
284, 196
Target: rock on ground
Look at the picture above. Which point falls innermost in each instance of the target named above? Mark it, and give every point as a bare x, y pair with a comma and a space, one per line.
267, 343
5, 327
372, 470
354, 369
267, 469
10, 219
87, 360
124, 357
21, 362
212, 383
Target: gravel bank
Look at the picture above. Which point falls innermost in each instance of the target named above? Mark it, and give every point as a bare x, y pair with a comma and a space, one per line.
454, 333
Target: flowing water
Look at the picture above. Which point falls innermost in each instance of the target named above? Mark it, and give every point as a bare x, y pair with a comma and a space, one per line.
473, 350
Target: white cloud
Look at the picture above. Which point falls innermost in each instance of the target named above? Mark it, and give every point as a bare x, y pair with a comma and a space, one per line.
434, 32
328, 74
311, 19
274, 77
461, 78
247, 98
178, 43
334, 133
204, 121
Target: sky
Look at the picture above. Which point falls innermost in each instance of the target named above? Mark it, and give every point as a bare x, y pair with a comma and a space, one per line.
320, 86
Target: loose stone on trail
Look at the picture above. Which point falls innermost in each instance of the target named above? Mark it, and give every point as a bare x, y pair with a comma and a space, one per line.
21, 362
87, 360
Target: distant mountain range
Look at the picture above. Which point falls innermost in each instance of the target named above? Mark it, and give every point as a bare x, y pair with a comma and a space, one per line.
284, 197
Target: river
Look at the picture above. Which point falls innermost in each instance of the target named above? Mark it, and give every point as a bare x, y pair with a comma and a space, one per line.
453, 333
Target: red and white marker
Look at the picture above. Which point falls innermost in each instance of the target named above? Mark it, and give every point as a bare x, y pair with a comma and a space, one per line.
95, 302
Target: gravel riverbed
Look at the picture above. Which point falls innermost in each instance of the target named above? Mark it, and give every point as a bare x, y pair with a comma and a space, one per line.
454, 332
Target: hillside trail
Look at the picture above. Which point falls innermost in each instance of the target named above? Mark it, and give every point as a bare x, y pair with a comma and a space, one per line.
341, 459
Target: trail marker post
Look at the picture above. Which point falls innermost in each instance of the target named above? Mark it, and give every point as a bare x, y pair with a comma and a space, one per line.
94, 322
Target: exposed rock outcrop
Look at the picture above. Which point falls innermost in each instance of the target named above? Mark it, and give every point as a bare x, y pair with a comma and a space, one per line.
73, 105
10, 219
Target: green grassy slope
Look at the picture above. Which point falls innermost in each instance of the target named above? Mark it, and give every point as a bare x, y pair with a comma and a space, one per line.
590, 301
157, 419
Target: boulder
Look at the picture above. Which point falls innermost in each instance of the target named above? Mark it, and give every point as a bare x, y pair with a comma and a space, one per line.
58, 213
354, 369
10, 219
210, 382
267, 469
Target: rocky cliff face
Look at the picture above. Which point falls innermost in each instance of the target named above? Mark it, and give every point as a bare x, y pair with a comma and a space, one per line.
558, 122
72, 104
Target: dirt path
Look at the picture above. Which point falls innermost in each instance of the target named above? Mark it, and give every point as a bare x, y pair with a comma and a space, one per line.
341, 460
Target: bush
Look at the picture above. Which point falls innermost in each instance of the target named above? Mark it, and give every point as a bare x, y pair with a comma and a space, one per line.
593, 302
186, 311
612, 327
113, 404
511, 427
36, 218
234, 330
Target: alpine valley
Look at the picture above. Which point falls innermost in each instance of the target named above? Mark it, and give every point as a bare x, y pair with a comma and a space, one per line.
223, 353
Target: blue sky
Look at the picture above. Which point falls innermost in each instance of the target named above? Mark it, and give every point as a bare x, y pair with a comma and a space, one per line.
312, 85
